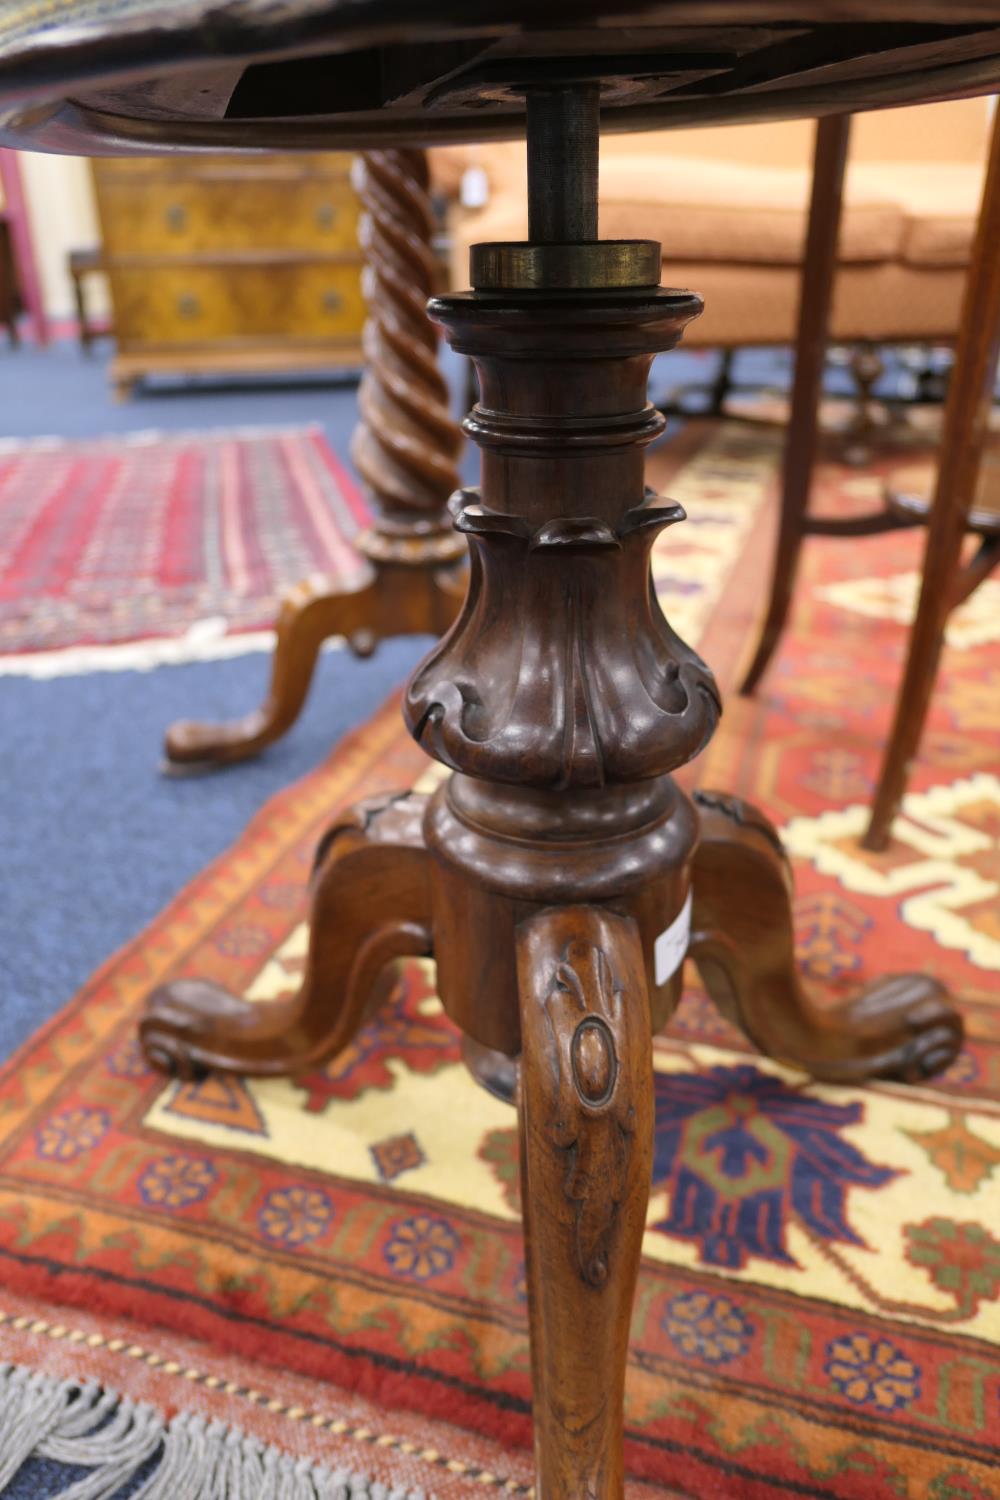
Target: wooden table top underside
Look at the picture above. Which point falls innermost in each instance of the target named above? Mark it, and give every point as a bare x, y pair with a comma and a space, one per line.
143, 75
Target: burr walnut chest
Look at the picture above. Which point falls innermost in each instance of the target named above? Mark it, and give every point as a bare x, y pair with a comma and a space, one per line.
225, 263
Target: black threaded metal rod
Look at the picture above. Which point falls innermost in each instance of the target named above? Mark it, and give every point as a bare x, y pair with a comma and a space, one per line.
563, 148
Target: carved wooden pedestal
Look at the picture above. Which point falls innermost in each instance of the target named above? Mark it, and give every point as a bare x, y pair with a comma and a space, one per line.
405, 448
559, 876
551, 876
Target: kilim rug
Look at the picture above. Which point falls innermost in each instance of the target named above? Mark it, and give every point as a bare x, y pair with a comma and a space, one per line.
818, 1313
126, 538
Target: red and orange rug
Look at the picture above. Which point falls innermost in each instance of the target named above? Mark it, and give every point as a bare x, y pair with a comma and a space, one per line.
819, 1309
127, 538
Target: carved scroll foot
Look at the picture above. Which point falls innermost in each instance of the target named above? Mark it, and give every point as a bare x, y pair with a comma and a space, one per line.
742, 940
370, 905
586, 1152
310, 614
416, 597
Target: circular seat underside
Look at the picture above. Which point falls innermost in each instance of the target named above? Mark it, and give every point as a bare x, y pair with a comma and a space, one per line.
107, 76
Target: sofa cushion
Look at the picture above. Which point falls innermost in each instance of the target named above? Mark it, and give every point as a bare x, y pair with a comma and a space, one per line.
735, 212
758, 304
940, 204
699, 208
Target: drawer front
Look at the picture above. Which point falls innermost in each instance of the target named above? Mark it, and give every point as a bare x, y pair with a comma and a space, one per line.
210, 166
191, 217
176, 305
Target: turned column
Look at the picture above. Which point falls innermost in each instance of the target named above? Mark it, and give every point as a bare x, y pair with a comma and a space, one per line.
560, 850
406, 443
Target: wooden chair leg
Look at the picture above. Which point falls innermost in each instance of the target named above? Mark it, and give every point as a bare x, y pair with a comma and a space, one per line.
977, 569
84, 332
966, 417
370, 905
586, 1116
722, 385
743, 943
867, 367
818, 272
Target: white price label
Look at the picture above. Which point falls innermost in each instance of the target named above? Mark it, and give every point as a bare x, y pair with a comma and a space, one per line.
672, 944
475, 188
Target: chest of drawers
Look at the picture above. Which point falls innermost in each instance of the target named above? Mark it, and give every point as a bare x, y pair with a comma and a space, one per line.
230, 264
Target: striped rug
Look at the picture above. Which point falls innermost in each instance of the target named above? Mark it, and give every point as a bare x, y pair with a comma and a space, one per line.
159, 537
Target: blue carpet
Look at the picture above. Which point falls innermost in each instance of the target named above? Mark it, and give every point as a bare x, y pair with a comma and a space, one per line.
96, 841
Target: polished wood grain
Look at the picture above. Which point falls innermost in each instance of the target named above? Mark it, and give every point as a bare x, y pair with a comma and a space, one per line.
743, 943
370, 905
367, 73
412, 577
228, 264
586, 1124
197, 206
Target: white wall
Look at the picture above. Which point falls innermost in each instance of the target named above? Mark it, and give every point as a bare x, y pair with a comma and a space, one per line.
63, 218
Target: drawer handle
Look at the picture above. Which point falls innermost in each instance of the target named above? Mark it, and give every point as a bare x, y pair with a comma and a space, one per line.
326, 216
332, 302
176, 217
188, 305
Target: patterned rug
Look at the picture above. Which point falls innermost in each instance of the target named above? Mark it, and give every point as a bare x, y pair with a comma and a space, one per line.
819, 1307
127, 538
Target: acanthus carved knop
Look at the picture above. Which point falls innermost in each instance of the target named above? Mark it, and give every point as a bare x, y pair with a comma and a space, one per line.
561, 670
593, 1114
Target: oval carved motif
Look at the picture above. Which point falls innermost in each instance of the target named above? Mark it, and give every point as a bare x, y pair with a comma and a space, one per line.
595, 1063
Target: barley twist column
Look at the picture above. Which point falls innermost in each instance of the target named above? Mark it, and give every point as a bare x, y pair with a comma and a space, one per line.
406, 444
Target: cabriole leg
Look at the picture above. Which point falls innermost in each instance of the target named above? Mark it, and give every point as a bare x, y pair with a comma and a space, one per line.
586, 1117
370, 906
743, 943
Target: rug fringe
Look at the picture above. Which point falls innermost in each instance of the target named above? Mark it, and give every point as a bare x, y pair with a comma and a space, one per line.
81, 1424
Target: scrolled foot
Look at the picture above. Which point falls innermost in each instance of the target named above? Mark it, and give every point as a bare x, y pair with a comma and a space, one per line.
192, 1027
904, 1026
311, 613
371, 905
191, 746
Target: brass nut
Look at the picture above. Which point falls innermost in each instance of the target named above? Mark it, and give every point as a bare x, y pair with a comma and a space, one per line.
587, 265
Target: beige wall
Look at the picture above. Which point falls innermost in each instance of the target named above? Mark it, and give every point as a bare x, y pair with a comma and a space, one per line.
63, 218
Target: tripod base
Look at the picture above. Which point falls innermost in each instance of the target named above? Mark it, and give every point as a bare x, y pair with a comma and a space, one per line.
372, 904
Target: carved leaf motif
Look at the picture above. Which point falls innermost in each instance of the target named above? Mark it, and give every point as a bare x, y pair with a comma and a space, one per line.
593, 1117
595, 653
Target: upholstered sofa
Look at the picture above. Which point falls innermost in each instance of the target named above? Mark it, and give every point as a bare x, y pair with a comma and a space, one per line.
729, 205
